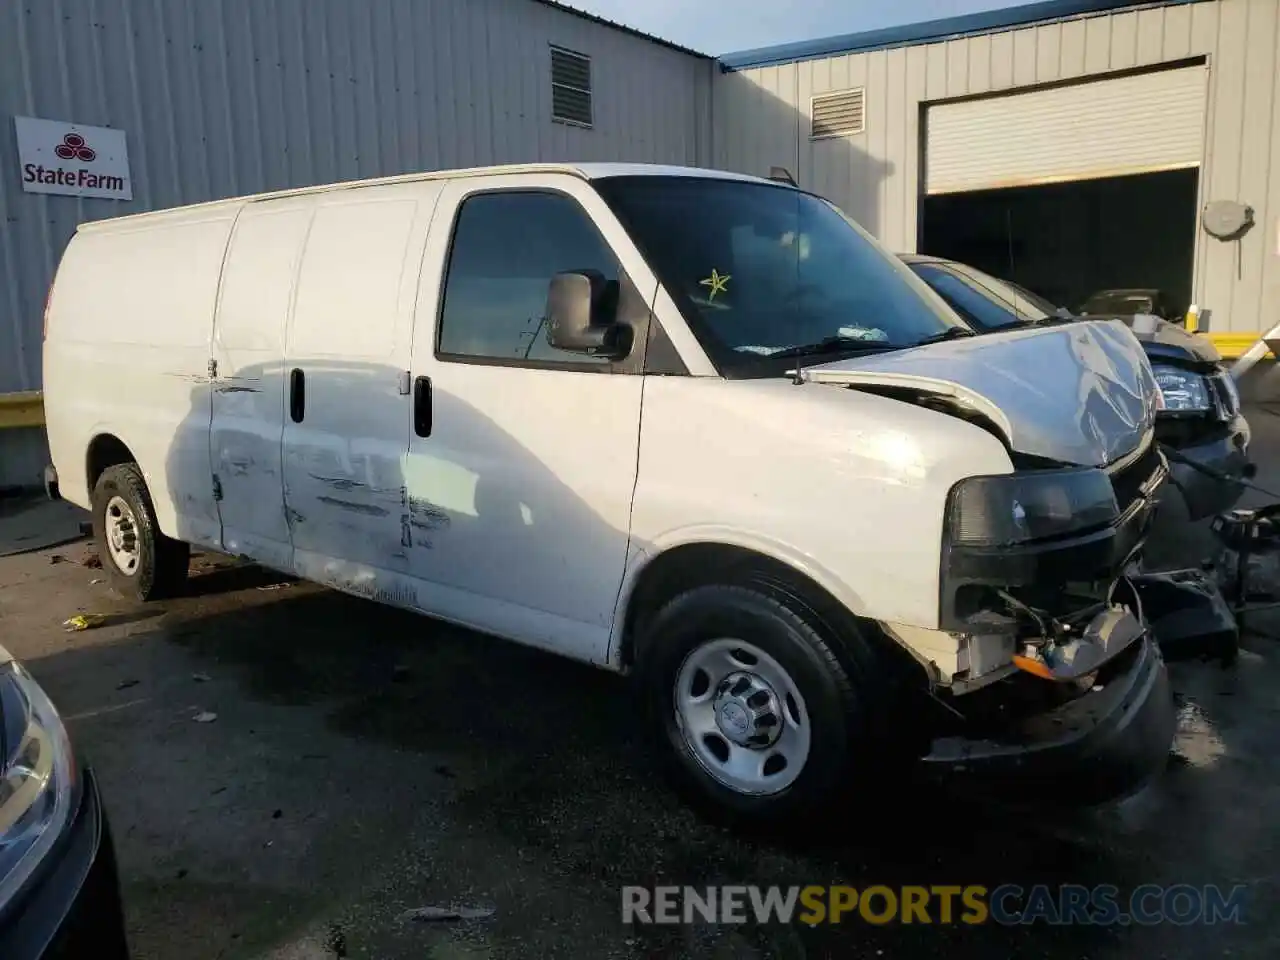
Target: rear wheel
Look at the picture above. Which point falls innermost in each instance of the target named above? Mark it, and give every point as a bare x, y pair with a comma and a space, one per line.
759, 718
140, 562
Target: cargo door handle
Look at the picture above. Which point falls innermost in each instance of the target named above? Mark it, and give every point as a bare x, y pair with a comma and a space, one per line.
422, 406
297, 395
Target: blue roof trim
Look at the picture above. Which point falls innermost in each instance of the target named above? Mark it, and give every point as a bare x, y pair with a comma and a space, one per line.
929, 31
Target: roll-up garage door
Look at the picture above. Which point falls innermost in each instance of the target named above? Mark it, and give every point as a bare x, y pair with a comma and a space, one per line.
1102, 128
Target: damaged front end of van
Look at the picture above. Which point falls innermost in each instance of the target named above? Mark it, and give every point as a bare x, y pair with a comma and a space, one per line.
1058, 687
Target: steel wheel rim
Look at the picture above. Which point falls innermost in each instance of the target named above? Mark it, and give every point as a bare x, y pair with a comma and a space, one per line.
122, 536
742, 717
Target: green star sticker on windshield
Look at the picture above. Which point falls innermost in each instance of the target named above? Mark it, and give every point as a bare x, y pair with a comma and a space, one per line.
718, 282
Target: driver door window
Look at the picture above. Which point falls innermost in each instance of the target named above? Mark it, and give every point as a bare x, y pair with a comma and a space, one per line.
506, 248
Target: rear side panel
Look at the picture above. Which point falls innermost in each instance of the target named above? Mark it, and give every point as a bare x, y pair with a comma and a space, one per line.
128, 353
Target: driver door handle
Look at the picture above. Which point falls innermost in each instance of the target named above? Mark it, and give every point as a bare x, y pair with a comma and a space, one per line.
297, 395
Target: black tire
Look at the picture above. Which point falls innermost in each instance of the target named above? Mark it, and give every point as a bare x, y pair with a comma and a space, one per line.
839, 707
162, 562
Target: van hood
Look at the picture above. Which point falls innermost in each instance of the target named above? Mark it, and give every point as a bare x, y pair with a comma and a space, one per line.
1080, 392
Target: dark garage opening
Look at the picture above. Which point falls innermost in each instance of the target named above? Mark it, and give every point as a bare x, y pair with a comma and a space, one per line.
1068, 240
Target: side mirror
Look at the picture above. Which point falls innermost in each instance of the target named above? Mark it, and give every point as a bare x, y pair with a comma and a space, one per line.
581, 308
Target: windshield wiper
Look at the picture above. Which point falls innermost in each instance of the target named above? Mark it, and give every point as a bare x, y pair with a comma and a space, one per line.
951, 333
1061, 315
835, 345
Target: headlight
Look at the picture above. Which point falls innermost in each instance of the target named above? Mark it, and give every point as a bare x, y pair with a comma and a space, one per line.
37, 777
1183, 391
1019, 507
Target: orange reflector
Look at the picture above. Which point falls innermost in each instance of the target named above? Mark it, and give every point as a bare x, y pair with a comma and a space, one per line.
1035, 667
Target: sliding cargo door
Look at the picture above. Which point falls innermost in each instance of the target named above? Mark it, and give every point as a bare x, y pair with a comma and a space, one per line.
258, 281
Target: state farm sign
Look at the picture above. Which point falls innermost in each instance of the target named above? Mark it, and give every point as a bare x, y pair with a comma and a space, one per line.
68, 158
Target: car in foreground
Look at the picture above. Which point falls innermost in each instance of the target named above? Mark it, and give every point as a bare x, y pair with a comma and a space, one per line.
59, 891
1200, 423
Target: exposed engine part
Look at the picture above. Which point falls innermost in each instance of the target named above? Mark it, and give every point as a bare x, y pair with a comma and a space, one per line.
1071, 648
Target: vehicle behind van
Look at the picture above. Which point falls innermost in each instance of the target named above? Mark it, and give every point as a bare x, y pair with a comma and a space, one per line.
687, 425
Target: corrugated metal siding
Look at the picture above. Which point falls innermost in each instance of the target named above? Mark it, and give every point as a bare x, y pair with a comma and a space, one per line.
226, 97
761, 113
1136, 123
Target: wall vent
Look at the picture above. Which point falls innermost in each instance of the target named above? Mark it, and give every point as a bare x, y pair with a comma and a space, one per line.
839, 114
570, 87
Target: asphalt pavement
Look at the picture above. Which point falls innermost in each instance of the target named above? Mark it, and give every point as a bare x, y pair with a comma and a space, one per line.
291, 772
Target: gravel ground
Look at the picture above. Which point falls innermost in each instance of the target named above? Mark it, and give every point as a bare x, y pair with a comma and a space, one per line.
365, 762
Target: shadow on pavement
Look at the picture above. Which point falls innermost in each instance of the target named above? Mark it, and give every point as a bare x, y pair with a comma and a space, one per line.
432, 763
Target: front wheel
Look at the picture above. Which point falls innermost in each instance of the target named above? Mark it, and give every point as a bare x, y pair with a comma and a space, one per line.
758, 716
141, 563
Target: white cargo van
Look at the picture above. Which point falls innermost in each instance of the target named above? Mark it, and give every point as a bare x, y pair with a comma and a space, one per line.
693, 426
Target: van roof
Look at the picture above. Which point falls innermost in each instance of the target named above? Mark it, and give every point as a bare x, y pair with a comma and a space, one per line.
586, 171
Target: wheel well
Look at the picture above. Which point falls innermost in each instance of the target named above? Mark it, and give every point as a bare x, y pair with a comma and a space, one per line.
684, 568
105, 451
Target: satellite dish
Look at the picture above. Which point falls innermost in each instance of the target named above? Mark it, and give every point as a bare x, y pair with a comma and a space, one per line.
1226, 219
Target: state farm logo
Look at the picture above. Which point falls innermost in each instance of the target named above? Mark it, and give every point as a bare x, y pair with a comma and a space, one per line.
73, 147
72, 159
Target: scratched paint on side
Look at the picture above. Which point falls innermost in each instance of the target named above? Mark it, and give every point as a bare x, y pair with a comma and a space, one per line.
368, 509
348, 484
396, 594
425, 515
341, 483
423, 518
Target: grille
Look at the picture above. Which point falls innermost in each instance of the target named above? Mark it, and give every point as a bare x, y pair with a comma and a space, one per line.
1129, 480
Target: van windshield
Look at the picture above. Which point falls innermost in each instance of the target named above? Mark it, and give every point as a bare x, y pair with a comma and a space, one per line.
767, 274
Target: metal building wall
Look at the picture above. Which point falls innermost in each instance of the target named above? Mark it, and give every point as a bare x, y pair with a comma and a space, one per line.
227, 97
876, 175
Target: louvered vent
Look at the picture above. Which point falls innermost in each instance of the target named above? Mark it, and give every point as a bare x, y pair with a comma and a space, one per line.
838, 114
570, 87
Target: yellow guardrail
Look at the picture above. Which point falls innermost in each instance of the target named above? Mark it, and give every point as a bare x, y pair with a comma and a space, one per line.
1232, 345
21, 409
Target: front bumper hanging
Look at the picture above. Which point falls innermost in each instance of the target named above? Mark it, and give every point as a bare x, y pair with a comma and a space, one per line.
1101, 746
